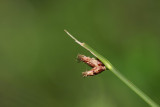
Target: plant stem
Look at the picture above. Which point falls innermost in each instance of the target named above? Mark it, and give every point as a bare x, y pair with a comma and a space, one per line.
108, 65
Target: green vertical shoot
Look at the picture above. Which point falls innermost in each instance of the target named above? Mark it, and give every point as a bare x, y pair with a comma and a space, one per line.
108, 65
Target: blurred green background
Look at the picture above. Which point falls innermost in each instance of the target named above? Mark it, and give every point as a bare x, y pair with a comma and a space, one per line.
38, 66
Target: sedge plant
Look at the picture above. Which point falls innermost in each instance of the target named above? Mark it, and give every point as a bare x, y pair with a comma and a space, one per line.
110, 67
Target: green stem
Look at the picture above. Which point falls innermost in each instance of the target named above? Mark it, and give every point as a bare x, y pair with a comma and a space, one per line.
116, 72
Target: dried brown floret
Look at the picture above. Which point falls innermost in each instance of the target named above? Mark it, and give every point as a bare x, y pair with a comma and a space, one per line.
97, 65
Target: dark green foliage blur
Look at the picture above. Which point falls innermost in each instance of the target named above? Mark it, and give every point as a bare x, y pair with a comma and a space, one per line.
38, 66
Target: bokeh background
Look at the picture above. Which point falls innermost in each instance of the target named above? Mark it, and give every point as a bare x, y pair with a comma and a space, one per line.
38, 66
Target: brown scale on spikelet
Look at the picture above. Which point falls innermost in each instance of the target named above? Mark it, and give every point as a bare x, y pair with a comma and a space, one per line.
97, 65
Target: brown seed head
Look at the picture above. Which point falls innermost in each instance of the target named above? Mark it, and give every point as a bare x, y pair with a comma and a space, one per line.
97, 65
